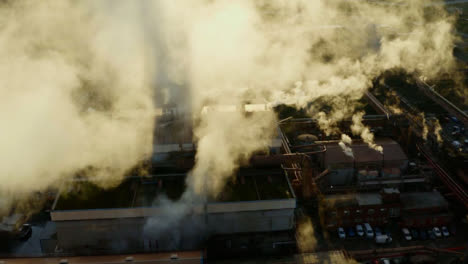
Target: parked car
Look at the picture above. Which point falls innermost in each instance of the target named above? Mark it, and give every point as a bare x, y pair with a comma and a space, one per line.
437, 232
359, 230
414, 234
454, 119
445, 231
341, 233
351, 232
385, 261
430, 234
378, 231
383, 239
369, 231
406, 234
422, 234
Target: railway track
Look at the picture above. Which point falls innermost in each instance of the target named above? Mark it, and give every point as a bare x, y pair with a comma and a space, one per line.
442, 101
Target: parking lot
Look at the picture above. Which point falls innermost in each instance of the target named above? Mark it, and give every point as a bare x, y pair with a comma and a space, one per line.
362, 243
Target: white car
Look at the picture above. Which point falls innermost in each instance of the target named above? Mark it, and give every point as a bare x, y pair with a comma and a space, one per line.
406, 234
383, 239
437, 232
341, 233
445, 231
369, 230
359, 230
385, 261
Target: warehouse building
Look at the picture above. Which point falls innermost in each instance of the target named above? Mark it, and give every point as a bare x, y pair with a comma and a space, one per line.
351, 209
367, 166
154, 212
410, 209
129, 216
360, 168
424, 209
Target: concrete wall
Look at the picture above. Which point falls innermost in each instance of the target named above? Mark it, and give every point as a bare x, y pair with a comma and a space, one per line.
126, 234
118, 230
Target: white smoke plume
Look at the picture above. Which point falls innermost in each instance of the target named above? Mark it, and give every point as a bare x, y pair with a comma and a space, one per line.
177, 221
358, 128
226, 141
305, 235
345, 143
431, 125
78, 78
307, 54
74, 92
437, 131
423, 120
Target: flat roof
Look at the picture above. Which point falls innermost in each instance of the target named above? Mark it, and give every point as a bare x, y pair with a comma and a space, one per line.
177, 135
172, 136
132, 192
422, 200
178, 129
341, 200
355, 199
369, 198
392, 151
143, 191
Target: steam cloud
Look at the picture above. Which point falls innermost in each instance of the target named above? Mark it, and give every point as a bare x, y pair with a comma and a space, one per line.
74, 92
345, 143
308, 54
358, 128
297, 52
78, 77
305, 233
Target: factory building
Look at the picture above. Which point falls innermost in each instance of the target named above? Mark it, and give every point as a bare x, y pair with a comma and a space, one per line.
152, 212
410, 209
424, 209
351, 209
367, 166
129, 216
361, 168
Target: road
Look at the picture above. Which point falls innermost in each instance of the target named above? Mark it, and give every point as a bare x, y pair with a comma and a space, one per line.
157, 258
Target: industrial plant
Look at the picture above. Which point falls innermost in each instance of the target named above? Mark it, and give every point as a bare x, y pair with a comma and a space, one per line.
234, 132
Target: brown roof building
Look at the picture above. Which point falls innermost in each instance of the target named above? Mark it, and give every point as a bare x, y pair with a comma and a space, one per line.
365, 164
